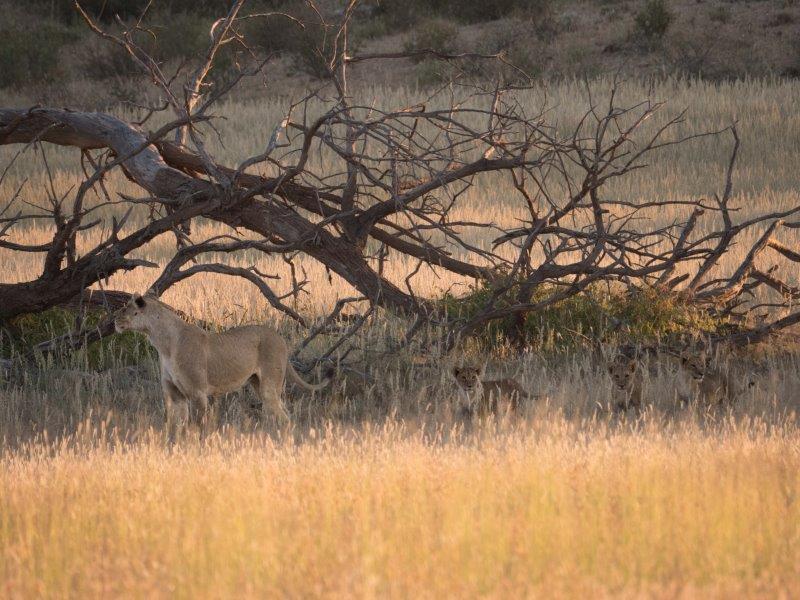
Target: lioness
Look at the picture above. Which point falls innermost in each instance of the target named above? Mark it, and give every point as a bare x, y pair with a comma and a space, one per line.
196, 364
484, 397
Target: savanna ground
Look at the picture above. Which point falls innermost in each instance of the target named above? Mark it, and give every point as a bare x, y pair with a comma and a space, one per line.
376, 491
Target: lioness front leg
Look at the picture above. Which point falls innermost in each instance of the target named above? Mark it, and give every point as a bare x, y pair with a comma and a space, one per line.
176, 411
201, 413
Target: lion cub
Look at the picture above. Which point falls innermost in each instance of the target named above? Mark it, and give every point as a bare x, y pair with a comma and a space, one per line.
701, 380
709, 383
626, 374
487, 397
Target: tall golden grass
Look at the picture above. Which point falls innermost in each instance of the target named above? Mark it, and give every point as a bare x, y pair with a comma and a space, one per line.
566, 509
377, 492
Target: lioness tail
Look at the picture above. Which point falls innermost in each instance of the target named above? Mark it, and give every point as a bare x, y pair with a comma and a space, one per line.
304, 384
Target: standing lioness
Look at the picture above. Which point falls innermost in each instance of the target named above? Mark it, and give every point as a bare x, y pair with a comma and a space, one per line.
196, 364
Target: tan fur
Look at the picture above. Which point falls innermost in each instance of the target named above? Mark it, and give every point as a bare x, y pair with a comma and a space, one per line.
488, 397
197, 364
711, 383
700, 380
626, 373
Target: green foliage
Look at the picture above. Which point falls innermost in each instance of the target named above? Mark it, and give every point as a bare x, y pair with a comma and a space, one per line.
102, 60
22, 334
106, 11
370, 28
169, 37
308, 44
653, 21
433, 34
178, 35
31, 54
441, 35
646, 315
720, 14
404, 14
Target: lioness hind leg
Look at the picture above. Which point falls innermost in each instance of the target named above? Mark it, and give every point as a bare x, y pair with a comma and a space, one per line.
272, 403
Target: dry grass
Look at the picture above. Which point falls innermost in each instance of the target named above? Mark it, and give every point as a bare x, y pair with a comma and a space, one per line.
569, 510
392, 499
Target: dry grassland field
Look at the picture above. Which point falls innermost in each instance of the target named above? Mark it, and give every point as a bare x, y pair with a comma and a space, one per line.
377, 491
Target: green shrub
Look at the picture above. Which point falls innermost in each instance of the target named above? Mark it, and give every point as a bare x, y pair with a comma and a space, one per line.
640, 315
106, 11
103, 60
522, 55
308, 45
654, 19
720, 14
370, 28
31, 54
23, 333
178, 35
171, 37
433, 34
404, 14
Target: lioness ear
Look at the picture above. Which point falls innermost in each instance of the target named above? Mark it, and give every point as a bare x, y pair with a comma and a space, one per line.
139, 301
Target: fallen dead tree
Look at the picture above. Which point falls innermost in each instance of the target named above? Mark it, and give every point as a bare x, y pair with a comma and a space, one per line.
400, 175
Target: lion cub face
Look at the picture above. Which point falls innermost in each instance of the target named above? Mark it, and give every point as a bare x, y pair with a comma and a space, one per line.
622, 371
468, 378
137, 315
469, 381
626, 375
696, 366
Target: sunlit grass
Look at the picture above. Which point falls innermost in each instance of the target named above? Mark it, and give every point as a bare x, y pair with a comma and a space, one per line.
375, 513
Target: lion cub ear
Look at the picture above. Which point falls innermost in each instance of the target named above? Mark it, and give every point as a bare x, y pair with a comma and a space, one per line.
139, 301
456, 371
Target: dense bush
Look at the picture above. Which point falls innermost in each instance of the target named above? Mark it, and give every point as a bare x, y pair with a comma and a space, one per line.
107, 10
434, 34
21, 335
654, 19
639, 315
102, 60
309, 45
170, 36
403, 14
178, 35
31, 55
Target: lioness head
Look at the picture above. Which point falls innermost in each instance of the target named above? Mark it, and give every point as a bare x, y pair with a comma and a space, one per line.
467, 378
137, 315
622, 369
